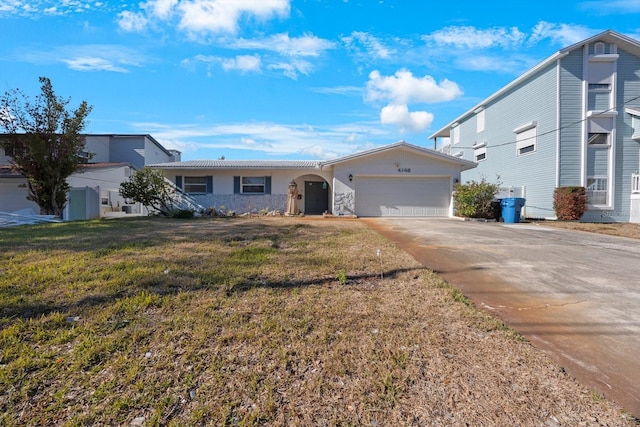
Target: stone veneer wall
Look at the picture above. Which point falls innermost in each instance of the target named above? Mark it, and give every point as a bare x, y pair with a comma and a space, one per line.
240, 203
344, 204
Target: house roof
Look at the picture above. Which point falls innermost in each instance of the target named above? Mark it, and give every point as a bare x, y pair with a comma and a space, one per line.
466, 164
609, 36
135, 135
239, 164
306, 164
103, 165
633, 111
7, 170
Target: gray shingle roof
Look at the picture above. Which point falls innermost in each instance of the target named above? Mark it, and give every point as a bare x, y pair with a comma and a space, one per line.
239, 164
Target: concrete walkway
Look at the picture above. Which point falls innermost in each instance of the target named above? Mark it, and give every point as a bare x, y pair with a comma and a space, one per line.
575, 295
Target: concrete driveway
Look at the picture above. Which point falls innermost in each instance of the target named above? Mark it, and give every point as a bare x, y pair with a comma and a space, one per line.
575, 295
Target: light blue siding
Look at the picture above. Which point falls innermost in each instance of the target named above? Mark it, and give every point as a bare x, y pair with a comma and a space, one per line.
627, 151
571, 111
534, 100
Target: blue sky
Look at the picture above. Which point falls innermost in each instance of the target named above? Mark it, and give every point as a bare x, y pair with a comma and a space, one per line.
286, 79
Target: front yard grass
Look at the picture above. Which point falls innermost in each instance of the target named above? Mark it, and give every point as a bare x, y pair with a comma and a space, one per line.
262, 321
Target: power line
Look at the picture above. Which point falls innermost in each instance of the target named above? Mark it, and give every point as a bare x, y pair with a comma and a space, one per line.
552, 130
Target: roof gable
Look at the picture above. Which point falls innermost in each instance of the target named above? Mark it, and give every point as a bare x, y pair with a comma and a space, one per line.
402, 145
628, 44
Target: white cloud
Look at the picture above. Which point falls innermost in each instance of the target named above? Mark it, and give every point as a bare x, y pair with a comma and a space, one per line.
404, 88
293, 68
560, 34
399, 115
316, 142
339, 90
222, 16
372, 47
244, 63
202, 16
92, 64
132, 21
307, 45
474, 38
161, 9
115, 58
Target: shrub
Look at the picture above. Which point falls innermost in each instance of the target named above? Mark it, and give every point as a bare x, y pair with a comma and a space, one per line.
182, 214
473, 199
569, 203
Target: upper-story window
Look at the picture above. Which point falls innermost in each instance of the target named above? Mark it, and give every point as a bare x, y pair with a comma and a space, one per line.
480, 122
598, 49
600, 139
526, 139
455, 134
7, 150
480, 153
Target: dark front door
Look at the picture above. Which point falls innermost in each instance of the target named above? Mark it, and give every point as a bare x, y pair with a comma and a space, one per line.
316, 195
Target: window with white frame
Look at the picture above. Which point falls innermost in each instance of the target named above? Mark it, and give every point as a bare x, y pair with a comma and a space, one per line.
455, 134
599, 48
635, 122
253, 184
597, 190
195, 184
526, 139
480, 120
480, 154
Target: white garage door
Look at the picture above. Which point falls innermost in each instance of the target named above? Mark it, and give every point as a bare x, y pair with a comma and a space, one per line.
402, 196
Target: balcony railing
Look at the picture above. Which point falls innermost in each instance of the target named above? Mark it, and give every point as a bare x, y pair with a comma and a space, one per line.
446, 149
635, 183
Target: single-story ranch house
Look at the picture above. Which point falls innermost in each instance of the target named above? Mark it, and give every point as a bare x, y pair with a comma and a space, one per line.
399, 179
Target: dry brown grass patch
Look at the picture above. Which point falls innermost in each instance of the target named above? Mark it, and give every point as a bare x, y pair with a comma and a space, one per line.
277, 321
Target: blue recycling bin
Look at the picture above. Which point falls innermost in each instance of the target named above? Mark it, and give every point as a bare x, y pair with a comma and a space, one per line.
511, 207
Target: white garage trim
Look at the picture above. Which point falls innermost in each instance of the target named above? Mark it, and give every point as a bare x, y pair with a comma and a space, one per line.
411, 196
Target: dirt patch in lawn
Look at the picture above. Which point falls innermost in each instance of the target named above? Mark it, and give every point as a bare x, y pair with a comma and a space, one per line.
268, 321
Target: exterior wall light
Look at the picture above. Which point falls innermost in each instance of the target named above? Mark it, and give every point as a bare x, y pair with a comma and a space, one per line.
350, 177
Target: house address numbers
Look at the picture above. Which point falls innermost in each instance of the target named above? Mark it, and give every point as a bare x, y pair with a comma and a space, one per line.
404, 170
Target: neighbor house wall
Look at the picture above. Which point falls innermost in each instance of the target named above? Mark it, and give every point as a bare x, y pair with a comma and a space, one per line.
532, 102
627, 150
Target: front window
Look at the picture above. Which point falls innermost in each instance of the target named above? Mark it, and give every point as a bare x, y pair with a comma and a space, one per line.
253, 184
597, 190
195, 184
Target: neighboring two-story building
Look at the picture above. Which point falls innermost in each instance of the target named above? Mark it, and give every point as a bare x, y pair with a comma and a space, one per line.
95, 187
572, 120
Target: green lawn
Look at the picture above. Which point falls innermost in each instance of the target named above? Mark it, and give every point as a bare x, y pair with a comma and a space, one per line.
261, 321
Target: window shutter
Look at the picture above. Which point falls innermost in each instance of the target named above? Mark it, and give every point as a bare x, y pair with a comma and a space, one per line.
209, 184
236, 185
179, 182
267, 185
